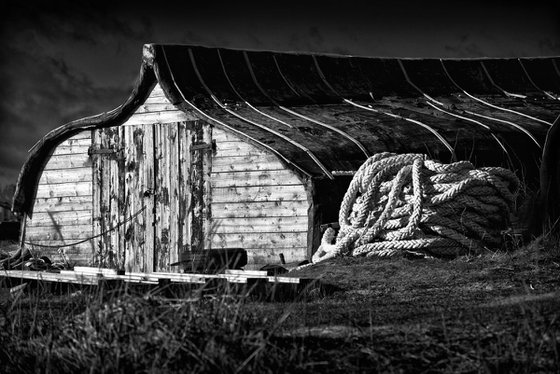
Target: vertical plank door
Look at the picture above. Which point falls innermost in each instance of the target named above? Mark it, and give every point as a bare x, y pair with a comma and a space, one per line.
105, 152
139, 198
123, 194
182, 166
151, 194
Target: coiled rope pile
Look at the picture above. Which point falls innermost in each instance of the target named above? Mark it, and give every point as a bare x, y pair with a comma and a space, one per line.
406, 202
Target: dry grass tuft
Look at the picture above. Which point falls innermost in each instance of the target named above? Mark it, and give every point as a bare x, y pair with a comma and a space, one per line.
498, 312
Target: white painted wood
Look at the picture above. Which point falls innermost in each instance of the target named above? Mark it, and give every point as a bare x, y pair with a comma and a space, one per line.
73, 149
90, 270
233, 149
233, 164
68, 161
258, 193
66, 234
156, 107
273, 229
52, 277
58, 204
65, 190
62, 212
70, 175
247, 273
255, 178
242, 240
63, 218
260, 223
260, 209
158, 117
156, 100
157, 91
257, 203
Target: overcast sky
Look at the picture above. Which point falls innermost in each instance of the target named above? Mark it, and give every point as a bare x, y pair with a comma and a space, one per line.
66, 61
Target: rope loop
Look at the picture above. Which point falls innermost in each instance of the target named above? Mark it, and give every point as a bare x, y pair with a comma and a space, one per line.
406, 202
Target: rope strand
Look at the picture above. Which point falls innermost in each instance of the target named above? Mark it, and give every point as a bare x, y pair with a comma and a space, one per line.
405, 202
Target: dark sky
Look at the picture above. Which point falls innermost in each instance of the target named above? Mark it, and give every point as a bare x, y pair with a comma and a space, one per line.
65, 60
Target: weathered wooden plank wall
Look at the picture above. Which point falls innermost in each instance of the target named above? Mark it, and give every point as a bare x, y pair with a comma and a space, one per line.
257, 203
62, 213
155, 187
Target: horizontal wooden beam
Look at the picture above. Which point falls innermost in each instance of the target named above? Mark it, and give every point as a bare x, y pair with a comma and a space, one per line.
92, 277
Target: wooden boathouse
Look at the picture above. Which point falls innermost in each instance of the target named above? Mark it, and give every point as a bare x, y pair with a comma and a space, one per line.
219, 148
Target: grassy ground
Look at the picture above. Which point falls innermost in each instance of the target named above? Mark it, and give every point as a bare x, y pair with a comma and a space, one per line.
497, 313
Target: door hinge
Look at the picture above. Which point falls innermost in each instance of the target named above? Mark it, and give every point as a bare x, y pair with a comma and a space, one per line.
112, 153
93, 150
204, 146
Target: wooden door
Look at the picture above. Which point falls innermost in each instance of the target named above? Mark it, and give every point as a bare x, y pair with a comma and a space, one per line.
151, 194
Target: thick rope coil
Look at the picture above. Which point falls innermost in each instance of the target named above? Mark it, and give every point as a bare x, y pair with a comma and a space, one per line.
405, 202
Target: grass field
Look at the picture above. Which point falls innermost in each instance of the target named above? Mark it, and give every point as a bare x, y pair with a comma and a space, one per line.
495, 313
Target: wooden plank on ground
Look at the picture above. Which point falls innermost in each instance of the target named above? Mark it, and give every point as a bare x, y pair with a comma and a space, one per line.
90, 270
51, 277
247, 273
91, 278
